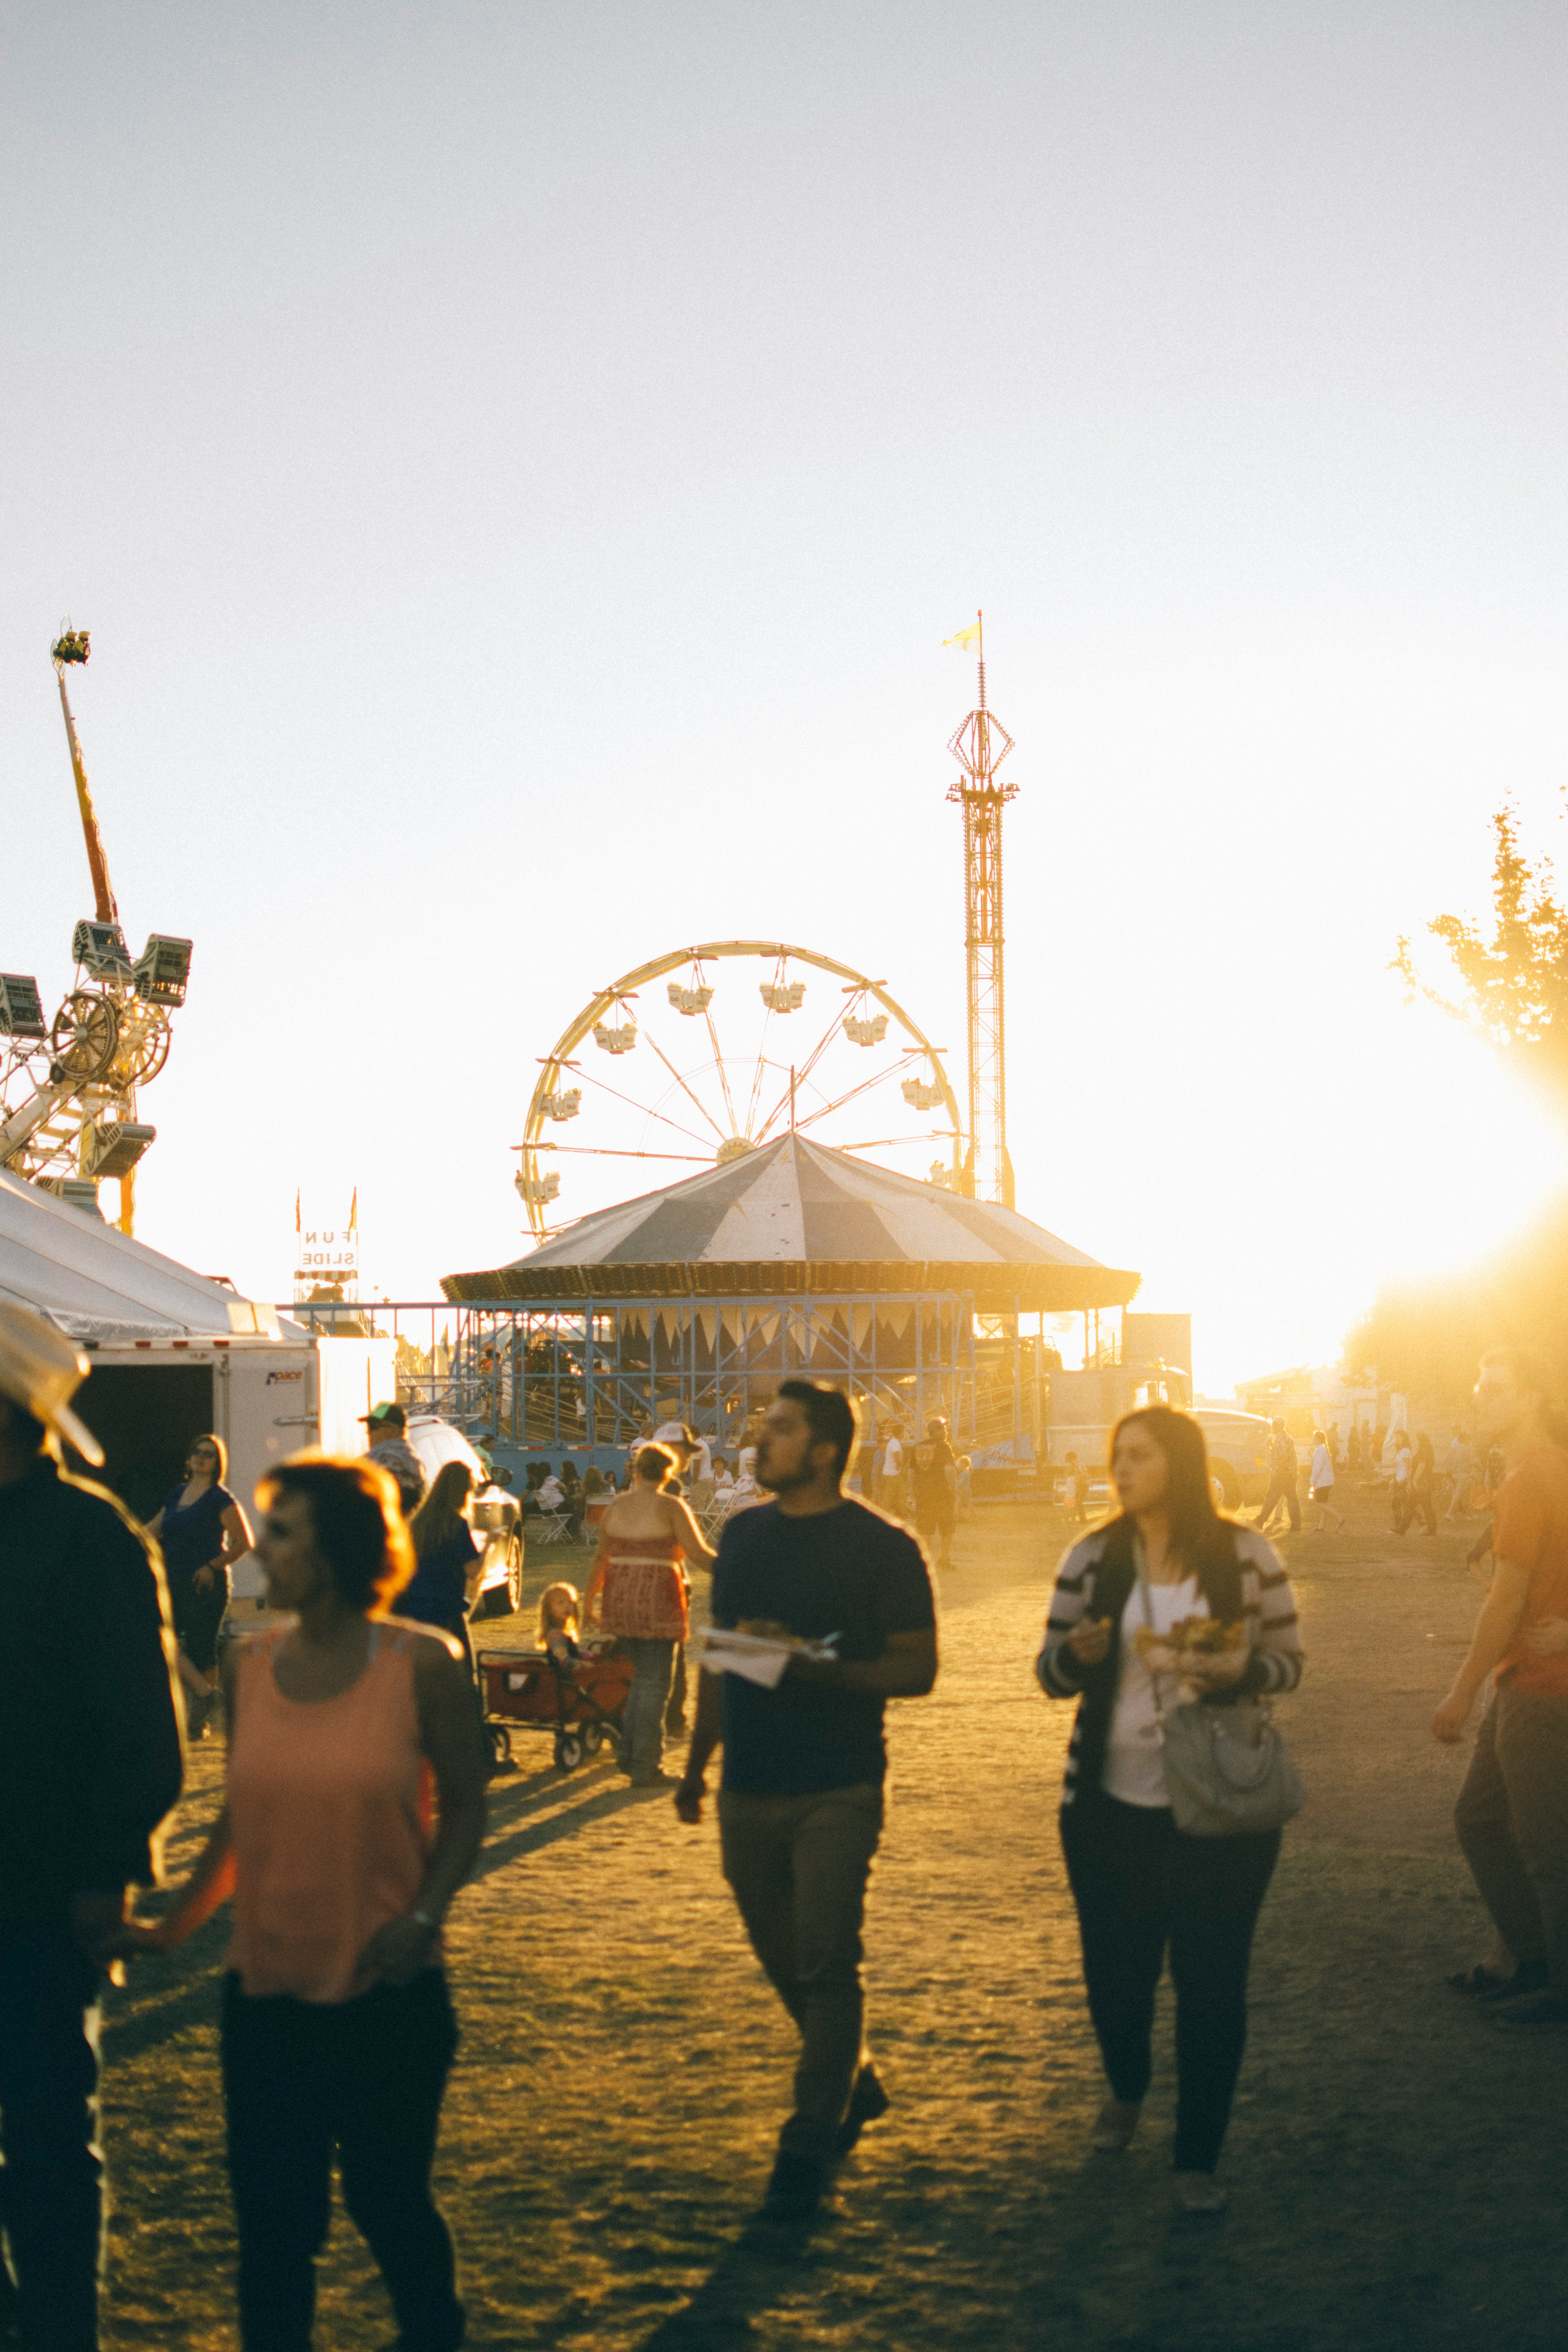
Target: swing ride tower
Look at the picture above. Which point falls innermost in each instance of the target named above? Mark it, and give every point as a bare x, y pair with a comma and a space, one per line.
979, 746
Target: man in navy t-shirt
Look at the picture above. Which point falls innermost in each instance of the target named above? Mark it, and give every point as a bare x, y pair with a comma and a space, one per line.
800, 1807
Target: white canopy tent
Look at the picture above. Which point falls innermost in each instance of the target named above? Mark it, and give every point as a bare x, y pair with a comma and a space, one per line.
96, 1284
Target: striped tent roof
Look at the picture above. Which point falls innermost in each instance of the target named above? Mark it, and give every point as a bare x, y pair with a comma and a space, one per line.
796, 1217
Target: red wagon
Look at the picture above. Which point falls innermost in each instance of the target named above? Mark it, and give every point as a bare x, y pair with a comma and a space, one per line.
581, 1702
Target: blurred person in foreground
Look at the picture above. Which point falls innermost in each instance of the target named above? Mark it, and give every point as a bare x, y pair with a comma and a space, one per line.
203, 1534
387, 1428
1513, 1812
800, 1807
337, 2028
1139, 1882
90, 1765
639, 1592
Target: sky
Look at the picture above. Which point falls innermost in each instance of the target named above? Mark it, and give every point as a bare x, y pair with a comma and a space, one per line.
520, 461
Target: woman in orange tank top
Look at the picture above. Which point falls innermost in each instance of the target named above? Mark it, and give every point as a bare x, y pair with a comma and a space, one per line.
337, 2029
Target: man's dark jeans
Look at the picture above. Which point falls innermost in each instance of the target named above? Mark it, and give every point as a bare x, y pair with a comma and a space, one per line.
50, 2192
1512, 1819
363, 2076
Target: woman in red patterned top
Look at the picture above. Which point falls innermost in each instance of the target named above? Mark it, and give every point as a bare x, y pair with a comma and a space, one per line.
647, 1539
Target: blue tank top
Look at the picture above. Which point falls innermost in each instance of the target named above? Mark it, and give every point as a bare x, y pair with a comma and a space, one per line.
191, 1539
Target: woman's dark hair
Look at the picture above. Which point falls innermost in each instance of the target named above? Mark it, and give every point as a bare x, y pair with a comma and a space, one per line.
568, 1476
440, 1516
830, 1415
655, 1464
209, 1437
1200, 1537
359, 1527
1424, 1449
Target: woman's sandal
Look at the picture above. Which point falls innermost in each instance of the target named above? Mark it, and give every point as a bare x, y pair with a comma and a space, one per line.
1114, 2126
1478, 1979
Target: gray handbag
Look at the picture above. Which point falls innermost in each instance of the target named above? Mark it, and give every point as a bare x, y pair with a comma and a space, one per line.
1227, 1770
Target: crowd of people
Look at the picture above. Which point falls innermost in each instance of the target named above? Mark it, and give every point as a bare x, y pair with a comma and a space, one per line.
355, 1793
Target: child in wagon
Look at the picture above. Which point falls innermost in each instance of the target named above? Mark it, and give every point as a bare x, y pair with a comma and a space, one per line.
560, 1617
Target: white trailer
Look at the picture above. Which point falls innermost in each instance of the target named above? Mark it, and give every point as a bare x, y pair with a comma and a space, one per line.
144, 1399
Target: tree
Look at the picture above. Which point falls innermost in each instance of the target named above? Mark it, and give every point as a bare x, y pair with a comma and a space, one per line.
1514, 987
1425, 1338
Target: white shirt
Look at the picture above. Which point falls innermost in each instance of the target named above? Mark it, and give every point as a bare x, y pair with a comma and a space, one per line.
552, 1494
1402, 1466
1323, 1467
701, 1463
893, 1461
1134, 1759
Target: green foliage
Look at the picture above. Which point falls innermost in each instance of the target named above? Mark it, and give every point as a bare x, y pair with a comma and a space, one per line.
1425, 1338
1513, 986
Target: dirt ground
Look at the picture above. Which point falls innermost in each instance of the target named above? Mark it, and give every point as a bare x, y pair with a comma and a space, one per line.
1395, 2161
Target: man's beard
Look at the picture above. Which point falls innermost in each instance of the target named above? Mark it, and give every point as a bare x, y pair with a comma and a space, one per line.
784, 1482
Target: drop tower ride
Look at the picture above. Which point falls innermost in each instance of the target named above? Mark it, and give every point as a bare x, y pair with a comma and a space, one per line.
979, 746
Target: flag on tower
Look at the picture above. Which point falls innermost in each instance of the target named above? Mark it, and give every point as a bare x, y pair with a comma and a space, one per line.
967, 640
354, 1211
296, 1211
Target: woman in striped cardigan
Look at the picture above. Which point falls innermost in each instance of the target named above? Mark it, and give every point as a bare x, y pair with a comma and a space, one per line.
1137, 1882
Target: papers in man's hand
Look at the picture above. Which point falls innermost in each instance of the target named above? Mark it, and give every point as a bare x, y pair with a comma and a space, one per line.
756, 1657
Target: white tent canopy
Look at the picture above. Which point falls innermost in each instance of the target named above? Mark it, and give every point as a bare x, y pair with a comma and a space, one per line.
95, 1283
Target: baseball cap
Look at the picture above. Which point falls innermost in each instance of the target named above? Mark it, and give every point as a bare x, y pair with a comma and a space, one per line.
41, 1371
383, 1416
673, 1432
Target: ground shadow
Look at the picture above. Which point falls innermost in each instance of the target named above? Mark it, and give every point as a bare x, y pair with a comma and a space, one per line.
751, 2277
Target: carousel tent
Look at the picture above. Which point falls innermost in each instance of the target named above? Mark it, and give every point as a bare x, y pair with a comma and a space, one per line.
795, 1217
97, 1284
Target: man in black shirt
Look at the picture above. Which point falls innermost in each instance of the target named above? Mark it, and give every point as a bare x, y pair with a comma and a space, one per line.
935, 1483
89, 1764
800, 1808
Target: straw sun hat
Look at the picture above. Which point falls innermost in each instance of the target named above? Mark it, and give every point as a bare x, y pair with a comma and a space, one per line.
41, 1371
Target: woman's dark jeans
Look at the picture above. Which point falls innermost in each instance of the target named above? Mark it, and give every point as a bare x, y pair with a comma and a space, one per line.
365, 2078
1140, 1886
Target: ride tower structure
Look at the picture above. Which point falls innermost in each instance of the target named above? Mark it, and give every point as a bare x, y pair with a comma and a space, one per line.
979, 746
68, 1087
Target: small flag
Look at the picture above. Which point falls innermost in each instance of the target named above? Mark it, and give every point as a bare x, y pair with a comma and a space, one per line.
354, 1211
967, 640
296, 1211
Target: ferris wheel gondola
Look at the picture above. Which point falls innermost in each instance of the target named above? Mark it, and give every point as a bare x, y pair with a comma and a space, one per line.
741, 1043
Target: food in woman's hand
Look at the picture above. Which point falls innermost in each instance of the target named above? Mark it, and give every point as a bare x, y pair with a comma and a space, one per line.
1188, 1637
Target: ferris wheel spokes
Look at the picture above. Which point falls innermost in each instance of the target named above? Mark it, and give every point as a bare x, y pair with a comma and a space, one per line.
685, 1089
878, 1078
799, 1075
588, 1079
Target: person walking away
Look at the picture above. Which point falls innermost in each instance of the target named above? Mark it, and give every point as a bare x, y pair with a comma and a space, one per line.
1399, 1492
934, 1478
386, 1426
1073, 1493
1139, 1883
203, 1534
1511, 1816
800, 1805
337, 2027
641, 1597
892, 1497
1283, 1473
1461, 1478
90, 1764
449, 1563
1423, 1483
1322, 1491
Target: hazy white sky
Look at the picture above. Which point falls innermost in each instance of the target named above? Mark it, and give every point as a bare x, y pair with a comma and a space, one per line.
518, 462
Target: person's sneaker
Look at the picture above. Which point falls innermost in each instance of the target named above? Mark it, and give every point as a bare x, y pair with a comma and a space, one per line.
867, 2101
1535, 2009
653, 1780
796, 2187
1529, 1977
1200, 2192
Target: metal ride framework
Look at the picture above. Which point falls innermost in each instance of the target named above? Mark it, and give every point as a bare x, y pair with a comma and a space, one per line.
591, 1382
870, 1065
979, 746
67, 1088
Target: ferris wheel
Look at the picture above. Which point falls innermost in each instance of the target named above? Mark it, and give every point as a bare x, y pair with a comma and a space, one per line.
707, 1054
